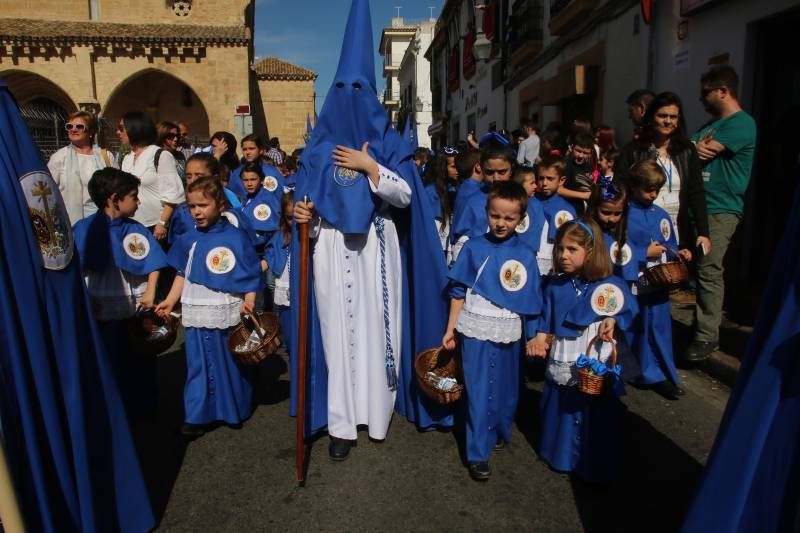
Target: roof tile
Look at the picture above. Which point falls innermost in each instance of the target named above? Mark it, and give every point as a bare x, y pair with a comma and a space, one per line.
272, 68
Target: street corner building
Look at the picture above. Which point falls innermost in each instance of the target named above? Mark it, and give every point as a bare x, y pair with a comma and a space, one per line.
184, 61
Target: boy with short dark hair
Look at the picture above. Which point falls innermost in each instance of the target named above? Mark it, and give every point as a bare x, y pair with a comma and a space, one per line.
580, 171
550, 179
496, 163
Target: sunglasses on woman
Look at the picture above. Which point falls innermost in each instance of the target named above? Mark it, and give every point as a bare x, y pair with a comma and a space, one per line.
77, 127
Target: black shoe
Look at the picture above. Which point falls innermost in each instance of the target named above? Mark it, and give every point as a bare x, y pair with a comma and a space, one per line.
499, 445
699, 351
192, 431
668, 390
339, 448
480, 470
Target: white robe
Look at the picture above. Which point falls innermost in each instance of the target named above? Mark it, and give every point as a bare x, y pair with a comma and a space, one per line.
349, 293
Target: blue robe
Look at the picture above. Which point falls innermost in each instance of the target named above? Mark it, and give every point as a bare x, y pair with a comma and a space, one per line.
70, 450
350, 116
491, 369
578, 430
751, 482
650, 337
217, 387
277, 256
98, 241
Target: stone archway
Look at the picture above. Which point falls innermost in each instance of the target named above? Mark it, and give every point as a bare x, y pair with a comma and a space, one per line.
44, 107
163, 97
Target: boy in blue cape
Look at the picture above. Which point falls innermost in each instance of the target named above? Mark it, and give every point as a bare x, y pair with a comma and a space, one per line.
64, 427
550, 178
377, 293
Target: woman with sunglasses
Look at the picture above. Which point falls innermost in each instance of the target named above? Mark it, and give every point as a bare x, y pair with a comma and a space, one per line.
169, 138
73, 165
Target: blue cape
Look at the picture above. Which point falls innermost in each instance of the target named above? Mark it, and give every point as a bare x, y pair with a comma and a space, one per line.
235, 181
277, 254
261, 211
752, 479
509, 275
66, 435
471, 219
647, 224
530, 229
626, 262
566, 314
223, 258
351, 116
556, 208
180, 222
98, 240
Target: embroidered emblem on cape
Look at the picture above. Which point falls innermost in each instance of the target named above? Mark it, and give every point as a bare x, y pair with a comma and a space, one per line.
230, 217
136, 246
513, 275
620, 257
262, 212
270, 183
524, 224
220, 260
345, 177
666, 228
561, 217
607, 299
48, 215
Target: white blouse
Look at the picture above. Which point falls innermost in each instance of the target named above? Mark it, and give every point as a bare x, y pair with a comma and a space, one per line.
161, 186
281, 296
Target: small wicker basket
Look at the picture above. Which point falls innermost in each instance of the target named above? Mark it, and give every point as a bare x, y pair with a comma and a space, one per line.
267, 343
670, 274
142, 327
589, 382
445, 364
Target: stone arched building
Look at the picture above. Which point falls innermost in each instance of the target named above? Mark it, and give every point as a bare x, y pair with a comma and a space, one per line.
181, 60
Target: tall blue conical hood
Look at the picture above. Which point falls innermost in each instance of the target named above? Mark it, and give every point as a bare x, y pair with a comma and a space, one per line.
357, 61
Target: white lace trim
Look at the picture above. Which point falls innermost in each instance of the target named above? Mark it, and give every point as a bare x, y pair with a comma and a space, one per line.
561, 373
282, 285
478, 305
220, 316
501, 330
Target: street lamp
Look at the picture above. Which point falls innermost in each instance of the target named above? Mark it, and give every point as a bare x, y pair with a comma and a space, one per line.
482, 48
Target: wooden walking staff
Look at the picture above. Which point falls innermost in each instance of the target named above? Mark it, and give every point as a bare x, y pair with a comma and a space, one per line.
10, 516
302, 349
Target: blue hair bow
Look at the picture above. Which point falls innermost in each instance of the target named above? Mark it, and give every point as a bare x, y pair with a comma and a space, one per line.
610, 189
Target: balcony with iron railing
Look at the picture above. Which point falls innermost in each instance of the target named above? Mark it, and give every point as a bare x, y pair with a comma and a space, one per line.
526, 31
564, 12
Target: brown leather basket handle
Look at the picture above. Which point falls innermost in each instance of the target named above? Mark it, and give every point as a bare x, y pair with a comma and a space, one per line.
254, 319
676, 252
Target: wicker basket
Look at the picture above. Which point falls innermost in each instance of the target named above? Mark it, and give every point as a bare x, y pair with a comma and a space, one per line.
589, 382
142, 327
267, 344
445, 364
668, 275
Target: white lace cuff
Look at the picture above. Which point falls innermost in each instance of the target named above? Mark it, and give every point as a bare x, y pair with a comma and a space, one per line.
221, 316
561, 372
495, 329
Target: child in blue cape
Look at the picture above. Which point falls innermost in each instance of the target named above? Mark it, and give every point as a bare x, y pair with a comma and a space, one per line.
530, 229
121, 261
550, 179
608, 207
652, 237
253, 150
495, 297
199, 165
584, 302
218, 277
277, 256
496, 164
439, 174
